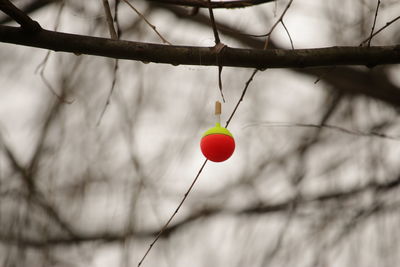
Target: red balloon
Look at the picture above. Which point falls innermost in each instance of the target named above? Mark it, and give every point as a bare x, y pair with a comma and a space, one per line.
217, 147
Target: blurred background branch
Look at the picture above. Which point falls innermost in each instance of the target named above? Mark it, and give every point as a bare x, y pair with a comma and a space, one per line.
309, 184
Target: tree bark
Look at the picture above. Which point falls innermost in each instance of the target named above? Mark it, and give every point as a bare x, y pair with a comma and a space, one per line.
203, 56
213, 4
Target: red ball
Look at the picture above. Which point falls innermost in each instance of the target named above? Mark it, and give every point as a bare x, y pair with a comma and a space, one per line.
217, 147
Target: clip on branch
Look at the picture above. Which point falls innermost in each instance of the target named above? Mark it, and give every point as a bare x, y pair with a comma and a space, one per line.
20, 17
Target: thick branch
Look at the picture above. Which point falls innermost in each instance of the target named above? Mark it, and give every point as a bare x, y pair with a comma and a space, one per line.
213, 4
206, 56
345, 79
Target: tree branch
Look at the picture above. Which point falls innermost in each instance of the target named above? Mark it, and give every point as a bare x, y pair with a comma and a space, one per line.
213, 4
380, 87
20, 17
342, 79
165, 41
110, 20
373, 25
381, 29
108, 237
31, 7
205, 56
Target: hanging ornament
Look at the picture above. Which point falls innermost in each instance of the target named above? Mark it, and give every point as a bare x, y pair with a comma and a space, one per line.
217, 143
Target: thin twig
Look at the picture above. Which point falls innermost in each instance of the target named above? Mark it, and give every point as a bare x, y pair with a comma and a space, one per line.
281, 235
322, 75
114, 36
373, 25
327, 126
241, 97
147, 22
175, 212
42, 65
109, 19
268, 35
214, 26
52, 90
288, 34
116, 20
114, 81
381, 29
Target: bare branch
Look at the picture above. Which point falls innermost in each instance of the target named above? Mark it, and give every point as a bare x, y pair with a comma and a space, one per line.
288, 34
42, 65
116, 18
213, 4
385, 91
114, 36
241, 97
214, 26
381, 29
330, 127
373, 25
173, 214
114, 81
147, 22
24, 20
205, 56
79, 237
366, 83
109, 19
268, 35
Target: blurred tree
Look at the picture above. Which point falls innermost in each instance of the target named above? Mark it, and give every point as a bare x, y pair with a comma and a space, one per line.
96, 153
